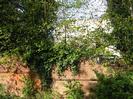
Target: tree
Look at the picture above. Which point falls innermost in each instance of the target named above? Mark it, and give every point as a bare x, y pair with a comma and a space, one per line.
120, 13
26, 28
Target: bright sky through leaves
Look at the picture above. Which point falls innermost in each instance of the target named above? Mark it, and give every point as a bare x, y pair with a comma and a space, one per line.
89, 9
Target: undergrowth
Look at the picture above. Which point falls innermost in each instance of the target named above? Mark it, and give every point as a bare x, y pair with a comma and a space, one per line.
74, 90
118, 86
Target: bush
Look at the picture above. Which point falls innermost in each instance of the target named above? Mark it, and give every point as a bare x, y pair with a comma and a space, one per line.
28, 89
5, 95
74, 90
48, 94
65, 56
119, 86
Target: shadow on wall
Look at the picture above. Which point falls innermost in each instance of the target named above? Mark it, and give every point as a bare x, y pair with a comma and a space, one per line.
86, 77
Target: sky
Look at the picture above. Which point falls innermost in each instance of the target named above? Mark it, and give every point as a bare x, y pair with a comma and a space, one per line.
89, 9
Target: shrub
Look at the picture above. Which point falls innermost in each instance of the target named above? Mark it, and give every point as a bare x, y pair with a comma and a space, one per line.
119, 86
28, 89
74, 90
5, 95
66, 55
2, 90
47, 95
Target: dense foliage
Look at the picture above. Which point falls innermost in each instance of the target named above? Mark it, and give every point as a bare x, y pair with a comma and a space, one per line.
71, 52
120, 13
119, 86
26, 29
74, 90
